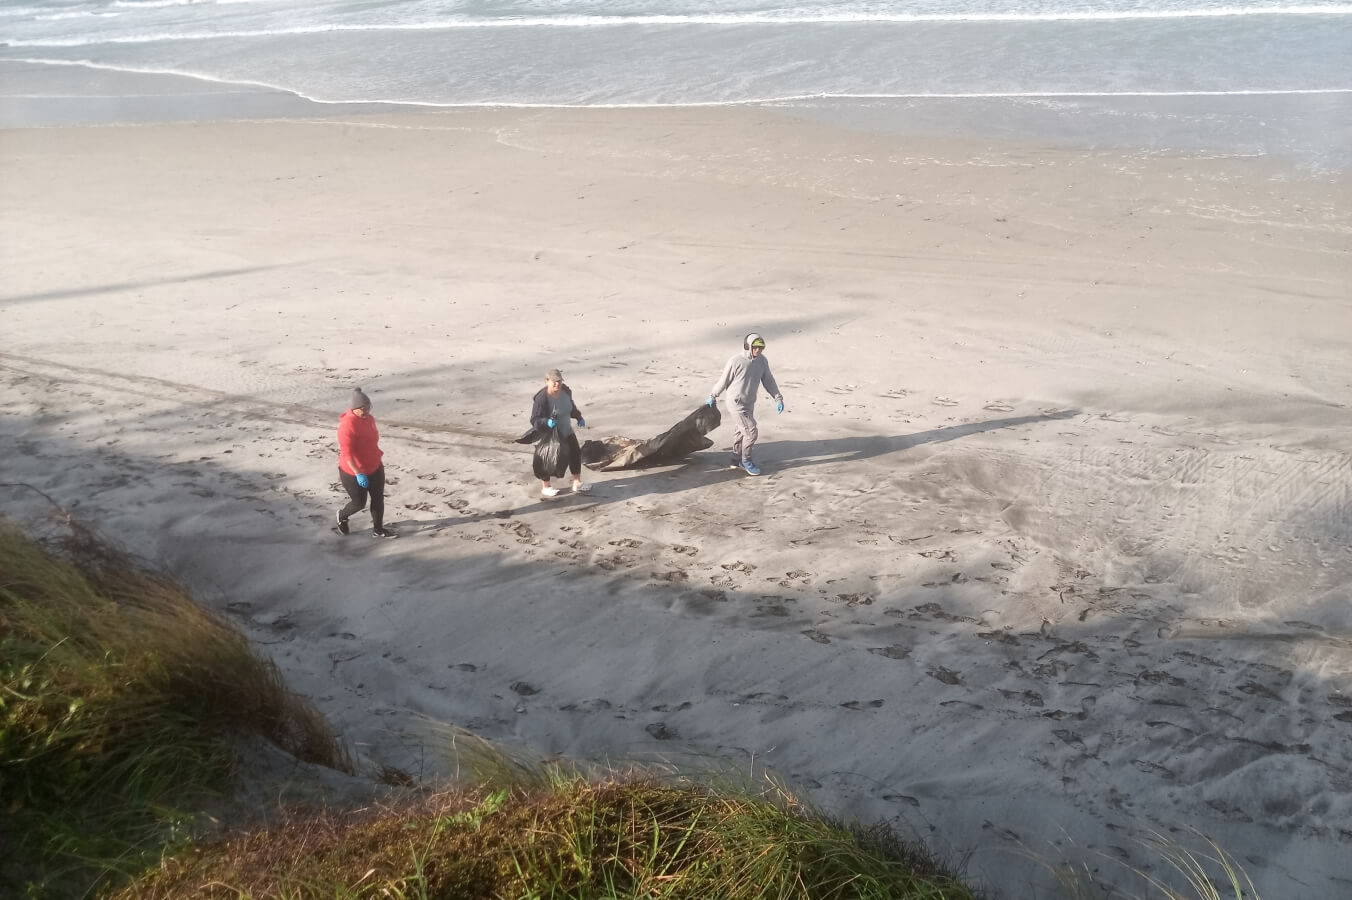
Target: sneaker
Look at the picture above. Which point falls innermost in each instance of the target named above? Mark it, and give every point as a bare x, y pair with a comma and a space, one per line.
581, 488
549, 492
735, 462
342, 523
750, 467
384, 533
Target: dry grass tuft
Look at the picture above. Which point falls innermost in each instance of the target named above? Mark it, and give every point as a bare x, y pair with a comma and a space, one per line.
119, 701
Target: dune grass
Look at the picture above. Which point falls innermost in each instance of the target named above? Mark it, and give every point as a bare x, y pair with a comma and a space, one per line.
120, 704
573, 839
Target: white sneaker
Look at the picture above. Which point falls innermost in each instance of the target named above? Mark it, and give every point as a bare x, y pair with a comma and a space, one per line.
549, 492
580, 488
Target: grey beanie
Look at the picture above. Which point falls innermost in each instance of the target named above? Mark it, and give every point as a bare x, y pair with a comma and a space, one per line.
359, 400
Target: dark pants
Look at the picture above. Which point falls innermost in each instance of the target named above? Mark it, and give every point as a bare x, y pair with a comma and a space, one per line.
574, 455
359, 494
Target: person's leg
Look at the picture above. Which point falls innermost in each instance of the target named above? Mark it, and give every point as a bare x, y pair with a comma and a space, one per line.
574, 452
377, 492
357, 494
746, 434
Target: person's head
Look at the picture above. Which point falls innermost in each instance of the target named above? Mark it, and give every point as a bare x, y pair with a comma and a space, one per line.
553, 381
360, 403
754, 344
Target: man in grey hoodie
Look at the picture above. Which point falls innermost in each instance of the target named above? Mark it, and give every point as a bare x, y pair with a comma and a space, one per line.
742, 378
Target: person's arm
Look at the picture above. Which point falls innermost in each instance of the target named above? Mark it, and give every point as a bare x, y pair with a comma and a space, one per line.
768, 381
539, 411
345, 461
723, 381
576, 413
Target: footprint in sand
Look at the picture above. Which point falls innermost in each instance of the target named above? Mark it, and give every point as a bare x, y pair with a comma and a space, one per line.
1155, 677
660, 731
764, 697
895, 651
813, 634
596, 705
1254, 689
771, 607
521, 530
628, 543
998, 406
935, 611
667, 707
524, 688
862, 704
1030, 698
1150, 768
944, 401
947, 676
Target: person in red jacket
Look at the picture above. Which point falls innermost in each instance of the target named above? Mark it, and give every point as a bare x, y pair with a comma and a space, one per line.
359, 465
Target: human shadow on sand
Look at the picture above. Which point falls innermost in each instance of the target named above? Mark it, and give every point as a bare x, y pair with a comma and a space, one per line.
782, 455
694, 472
68, 293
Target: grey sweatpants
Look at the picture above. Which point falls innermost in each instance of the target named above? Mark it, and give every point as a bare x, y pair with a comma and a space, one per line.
746, 432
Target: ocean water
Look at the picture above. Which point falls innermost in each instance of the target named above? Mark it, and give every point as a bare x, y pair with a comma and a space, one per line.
1265, 76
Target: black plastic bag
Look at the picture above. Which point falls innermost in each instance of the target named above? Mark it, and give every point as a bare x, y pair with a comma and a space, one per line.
551, 456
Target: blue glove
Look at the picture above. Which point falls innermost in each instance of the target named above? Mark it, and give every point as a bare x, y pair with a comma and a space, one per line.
780, 407
363, 481
709, 402
549, 423
581, 422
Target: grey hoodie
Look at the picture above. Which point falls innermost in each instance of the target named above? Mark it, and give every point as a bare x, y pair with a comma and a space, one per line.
741, 377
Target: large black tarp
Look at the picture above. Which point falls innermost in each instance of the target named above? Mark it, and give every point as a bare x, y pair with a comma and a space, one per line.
680, 440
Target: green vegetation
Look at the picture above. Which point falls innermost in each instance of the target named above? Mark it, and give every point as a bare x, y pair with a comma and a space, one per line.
121, 702
572, 839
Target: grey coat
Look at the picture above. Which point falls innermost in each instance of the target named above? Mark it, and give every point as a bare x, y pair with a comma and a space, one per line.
742, 377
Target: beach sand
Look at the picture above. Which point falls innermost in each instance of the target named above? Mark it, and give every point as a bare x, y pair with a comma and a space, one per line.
1054, 544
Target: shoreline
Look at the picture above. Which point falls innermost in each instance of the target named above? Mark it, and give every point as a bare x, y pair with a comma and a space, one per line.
1277, 127
1053, 540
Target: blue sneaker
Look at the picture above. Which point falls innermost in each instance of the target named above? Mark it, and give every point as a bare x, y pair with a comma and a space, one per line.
750, 467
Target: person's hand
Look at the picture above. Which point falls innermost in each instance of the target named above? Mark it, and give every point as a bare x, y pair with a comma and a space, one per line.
549, 423
363, 481
780, 406
709, 402
581, 422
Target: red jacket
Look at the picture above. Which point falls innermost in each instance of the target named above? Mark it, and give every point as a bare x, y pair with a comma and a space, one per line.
358, 444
